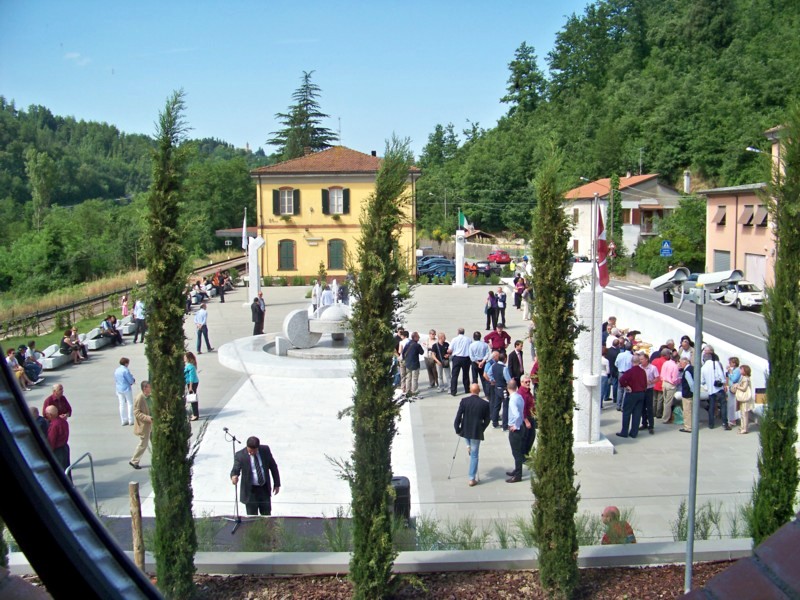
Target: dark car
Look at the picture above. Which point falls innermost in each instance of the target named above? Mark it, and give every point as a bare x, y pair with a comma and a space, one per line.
486, 268
431, 266
444, 270
423, 260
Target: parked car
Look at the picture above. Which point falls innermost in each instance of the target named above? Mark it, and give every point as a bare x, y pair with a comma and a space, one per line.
442, 270
501, 257
486, 268
423, 260
431, 266
748, 295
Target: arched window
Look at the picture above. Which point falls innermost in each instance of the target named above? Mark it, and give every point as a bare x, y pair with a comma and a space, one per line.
286, 255
336, 254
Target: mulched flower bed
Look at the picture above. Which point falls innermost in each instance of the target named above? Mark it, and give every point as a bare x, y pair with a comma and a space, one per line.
596, 584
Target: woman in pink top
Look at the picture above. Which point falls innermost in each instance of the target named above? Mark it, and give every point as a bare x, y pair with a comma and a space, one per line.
670, 378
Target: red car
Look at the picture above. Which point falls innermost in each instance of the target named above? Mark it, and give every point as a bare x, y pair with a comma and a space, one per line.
500, 257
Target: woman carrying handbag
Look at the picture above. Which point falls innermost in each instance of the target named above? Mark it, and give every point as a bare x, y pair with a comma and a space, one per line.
192, 381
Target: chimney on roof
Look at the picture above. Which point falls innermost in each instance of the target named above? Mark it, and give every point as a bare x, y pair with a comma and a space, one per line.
306, 150
687, 181
374, 153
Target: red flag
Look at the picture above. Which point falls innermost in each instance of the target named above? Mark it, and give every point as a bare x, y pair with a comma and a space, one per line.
602, 251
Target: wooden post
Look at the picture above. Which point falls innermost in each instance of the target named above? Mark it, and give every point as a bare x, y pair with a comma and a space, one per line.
136, 525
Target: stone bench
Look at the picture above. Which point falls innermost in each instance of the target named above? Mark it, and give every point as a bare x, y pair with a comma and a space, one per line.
95, 341
128, 326
52, 358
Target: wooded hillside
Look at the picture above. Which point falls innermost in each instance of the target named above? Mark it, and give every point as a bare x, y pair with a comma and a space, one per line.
72, 197
675, 84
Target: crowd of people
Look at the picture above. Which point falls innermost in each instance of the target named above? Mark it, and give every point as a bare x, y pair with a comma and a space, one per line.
649, 385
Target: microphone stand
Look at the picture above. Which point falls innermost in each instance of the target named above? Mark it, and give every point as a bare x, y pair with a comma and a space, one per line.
236, 520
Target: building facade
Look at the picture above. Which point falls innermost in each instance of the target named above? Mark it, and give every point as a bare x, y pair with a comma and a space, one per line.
308, 211
644, 199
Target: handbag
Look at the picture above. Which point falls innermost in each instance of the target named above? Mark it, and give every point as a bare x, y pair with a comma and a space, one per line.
191, 398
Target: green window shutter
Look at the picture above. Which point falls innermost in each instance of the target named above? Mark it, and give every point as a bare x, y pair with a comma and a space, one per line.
346, 201
276, 202
285, 255
296, 202
336, 254
326, 210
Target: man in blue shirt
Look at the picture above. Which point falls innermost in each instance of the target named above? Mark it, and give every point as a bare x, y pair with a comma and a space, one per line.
516, 434
124, 383
200, 322
479, 353
499, 394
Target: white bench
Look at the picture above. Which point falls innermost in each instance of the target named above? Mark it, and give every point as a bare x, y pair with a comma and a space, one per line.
95, 341
52, 358
128, 326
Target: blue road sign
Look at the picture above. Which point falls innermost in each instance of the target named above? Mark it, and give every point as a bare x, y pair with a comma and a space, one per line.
666, 248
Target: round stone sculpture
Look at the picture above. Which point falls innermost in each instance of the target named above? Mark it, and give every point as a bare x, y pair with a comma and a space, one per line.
296, 330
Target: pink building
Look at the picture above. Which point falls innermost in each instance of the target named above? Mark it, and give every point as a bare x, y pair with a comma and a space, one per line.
739, 233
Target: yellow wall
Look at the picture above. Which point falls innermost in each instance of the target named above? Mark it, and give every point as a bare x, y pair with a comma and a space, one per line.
311, 230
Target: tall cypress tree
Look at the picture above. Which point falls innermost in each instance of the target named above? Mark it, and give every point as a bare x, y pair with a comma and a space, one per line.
175, 540
380, 268
556, 330
302, 124
776, 487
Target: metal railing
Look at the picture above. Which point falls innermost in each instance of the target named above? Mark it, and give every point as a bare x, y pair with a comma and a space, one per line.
68, 472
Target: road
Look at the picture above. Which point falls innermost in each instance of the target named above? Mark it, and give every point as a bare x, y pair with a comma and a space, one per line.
744, 329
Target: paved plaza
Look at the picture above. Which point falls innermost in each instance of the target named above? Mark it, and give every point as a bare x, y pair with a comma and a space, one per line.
297, 417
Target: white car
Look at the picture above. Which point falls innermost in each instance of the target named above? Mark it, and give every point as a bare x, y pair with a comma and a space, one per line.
747, 295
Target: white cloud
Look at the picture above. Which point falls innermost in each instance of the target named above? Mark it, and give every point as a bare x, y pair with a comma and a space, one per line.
77, 59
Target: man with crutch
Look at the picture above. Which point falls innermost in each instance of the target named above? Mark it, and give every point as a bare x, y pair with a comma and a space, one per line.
472, 419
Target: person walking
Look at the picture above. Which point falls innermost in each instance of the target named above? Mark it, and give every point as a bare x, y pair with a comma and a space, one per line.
58, 437
430, 363
142, 424
124, 384
744, 394
502, 300
192, 382
472, 419
490, 309
201, 324
140, 320
254, 465
257, 314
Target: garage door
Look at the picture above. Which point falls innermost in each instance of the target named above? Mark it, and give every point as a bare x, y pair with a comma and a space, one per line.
755, 268
722, 260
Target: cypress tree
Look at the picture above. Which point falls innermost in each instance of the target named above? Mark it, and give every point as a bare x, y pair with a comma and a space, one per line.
556, 497
776, 487
175, 540
380, 268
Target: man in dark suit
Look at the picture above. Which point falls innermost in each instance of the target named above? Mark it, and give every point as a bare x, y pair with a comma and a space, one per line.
472, 419
255, 464
515, 367
258, 316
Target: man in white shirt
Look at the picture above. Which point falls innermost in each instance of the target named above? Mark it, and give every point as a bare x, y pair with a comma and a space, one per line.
623, 363
139, 318
712, 377
459, 361
516, 433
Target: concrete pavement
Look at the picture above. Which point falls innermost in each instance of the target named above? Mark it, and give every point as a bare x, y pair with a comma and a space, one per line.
649, 474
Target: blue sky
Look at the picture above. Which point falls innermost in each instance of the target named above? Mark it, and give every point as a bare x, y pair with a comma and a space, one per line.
384, 67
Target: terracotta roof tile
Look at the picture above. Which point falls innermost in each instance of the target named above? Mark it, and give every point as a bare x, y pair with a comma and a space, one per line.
603, 186
336, 159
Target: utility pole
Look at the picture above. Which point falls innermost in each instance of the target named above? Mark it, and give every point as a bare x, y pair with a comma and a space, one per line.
640, 160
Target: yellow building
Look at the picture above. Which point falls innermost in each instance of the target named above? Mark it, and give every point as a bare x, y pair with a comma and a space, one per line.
309, 208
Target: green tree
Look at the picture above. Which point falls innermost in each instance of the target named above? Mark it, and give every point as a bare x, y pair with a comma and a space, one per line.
776, 488
175, 539
41, 172
616, 210
302, 123
526, 83
380, 269
556, 331
685, 229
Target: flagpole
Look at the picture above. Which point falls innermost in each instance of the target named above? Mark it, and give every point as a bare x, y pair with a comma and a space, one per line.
595, 233
245, 244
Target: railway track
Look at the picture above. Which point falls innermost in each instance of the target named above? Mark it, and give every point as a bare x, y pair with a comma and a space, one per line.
38, 323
